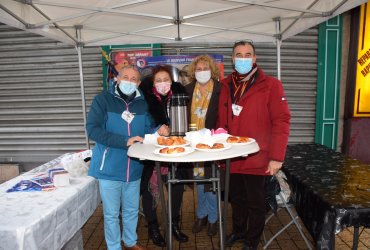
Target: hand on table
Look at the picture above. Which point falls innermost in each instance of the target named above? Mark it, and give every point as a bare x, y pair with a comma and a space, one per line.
134, 139
274, 167
164, 130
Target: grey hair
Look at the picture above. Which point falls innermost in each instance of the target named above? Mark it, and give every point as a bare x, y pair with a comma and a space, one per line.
130, 67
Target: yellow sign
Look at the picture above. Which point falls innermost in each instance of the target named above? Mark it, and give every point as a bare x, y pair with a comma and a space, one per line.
362, 95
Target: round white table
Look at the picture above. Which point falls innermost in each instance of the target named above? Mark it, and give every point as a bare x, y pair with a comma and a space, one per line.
146, 152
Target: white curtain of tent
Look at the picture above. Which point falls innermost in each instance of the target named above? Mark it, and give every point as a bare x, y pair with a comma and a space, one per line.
116, 22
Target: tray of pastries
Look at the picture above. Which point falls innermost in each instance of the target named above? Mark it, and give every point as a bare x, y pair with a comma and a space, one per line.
173, 151
239, 140
215, 147
172, 141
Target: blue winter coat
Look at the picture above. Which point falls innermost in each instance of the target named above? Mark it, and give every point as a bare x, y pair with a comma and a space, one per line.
111, 132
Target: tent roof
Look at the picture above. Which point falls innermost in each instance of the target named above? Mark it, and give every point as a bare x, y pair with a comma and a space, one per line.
103, 22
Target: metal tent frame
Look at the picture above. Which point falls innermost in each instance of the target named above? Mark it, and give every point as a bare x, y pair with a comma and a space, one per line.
97, 22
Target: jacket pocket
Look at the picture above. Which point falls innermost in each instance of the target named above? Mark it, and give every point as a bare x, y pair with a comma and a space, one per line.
103, 159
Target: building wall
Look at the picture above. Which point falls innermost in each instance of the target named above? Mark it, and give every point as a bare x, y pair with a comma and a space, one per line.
356, 131
360, 139
40, 97
346, 29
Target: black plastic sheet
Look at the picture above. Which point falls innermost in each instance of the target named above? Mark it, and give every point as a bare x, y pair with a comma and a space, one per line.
331, 190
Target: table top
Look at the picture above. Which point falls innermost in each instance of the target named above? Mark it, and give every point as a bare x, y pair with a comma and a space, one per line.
146, 152
331, 190
45, 219
339, 180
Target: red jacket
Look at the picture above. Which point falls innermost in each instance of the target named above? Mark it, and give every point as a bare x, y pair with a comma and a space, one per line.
265, 117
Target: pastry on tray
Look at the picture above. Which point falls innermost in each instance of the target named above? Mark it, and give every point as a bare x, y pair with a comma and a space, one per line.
175, 150
237, 139
206, 146
170, 141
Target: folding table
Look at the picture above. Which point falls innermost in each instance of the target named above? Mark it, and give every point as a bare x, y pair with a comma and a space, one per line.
45, 219
331, 191
146, 152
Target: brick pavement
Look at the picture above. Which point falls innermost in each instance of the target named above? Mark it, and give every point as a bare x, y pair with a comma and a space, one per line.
93, 234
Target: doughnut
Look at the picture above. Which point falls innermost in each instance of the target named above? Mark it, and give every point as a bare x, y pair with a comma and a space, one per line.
164, 150
235, 139
161, 140
168, 142
178, 140
217, 146
243, 139
232, 139
175, 150
171, 141
202, 146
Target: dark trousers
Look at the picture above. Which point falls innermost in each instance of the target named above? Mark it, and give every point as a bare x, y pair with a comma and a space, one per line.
247, 198
148, 202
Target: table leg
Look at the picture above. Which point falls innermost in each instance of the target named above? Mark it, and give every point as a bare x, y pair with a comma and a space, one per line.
213, 176
219, 209
226, 199
161, 196
171, 175
356, 237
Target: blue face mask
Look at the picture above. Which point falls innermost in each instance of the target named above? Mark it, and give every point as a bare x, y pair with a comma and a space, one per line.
243, 65
127, 87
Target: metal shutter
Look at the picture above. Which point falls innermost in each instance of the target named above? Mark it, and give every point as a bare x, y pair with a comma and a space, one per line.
40, 98
298, 74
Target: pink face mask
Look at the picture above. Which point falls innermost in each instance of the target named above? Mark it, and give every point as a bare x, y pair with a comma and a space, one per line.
163, 87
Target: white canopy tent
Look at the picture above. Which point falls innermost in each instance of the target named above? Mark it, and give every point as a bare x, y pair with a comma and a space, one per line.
116, 22
102, 22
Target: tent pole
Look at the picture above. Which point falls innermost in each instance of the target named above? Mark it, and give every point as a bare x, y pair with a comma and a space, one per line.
278, 45
79, 46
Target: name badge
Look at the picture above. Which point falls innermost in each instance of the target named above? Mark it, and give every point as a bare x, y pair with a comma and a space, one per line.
127, 116
236, 109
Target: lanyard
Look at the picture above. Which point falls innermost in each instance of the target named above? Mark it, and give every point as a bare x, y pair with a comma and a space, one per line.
244, 88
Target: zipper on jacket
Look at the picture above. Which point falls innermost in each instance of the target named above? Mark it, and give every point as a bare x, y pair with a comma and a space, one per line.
128, 168
103, 160
128, 157
129, 133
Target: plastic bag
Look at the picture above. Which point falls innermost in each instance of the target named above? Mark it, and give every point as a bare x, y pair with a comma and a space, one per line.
77, 164
272, 188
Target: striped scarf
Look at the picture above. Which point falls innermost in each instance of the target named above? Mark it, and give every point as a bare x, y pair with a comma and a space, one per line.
241, 83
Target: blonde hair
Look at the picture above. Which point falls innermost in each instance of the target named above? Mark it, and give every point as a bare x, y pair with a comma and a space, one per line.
207, 59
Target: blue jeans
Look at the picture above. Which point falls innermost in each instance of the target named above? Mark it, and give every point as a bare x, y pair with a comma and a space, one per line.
116, 194
207, 204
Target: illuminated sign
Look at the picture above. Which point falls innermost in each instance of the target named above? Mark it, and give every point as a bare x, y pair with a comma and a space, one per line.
362, 95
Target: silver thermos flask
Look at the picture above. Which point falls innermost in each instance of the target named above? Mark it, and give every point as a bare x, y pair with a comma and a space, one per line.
179, 114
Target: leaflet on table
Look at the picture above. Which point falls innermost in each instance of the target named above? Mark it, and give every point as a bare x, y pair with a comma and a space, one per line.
25, 186
43, 182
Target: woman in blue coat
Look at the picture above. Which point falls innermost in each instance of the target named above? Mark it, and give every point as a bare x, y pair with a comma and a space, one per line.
116, 121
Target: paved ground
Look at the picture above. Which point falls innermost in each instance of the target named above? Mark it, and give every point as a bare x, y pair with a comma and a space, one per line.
290, 239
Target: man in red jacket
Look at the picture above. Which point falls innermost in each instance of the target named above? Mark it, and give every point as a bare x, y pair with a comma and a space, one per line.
252, 104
